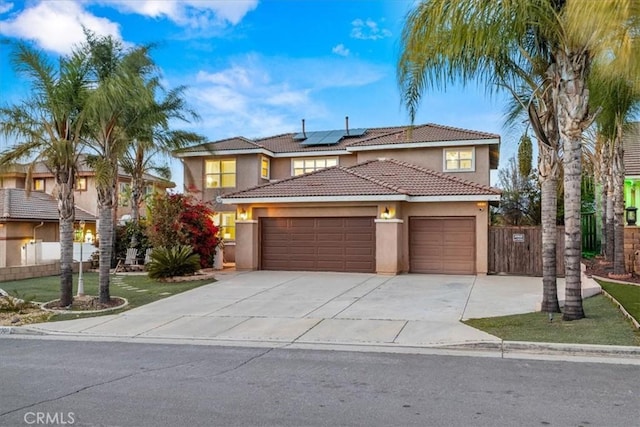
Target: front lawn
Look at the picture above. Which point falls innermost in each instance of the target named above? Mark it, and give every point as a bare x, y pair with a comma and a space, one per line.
604, 324
627, 295
138, 289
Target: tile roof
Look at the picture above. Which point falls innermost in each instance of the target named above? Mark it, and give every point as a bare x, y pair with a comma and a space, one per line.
372, 137
235, 143
15, 204
383, 177
631, 141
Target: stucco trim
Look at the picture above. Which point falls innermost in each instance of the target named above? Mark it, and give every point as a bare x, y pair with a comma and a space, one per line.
453, 143
362, 198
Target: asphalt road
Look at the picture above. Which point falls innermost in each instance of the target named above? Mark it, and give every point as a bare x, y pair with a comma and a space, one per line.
50, 382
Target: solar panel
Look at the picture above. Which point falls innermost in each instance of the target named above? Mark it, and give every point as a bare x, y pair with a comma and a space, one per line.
326, 137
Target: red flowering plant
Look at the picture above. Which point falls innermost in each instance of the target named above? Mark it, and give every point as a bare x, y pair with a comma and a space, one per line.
180, 219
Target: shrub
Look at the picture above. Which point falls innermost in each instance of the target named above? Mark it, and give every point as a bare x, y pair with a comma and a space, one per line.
180, 219
175, 261
124, 234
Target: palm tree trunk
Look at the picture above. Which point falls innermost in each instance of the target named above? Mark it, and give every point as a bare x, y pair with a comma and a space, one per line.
618, 207
573, 109
604, 182
610, 217
66, 210
105, 229
548, 176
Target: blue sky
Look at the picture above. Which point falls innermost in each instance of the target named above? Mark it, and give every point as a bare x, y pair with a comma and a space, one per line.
256, 68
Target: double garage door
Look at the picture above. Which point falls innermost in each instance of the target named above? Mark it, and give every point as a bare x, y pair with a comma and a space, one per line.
436, 245
442, 245
318, 244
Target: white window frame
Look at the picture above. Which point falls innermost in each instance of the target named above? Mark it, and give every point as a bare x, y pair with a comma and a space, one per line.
221, 174
315, 167
268, 161
458, 150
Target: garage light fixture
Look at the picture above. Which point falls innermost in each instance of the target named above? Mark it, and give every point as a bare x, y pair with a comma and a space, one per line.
481, 205
242, 215
385, 214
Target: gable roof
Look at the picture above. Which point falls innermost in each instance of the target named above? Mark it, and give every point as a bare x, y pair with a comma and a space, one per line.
631, 143
16, 205
286, 145
374, 180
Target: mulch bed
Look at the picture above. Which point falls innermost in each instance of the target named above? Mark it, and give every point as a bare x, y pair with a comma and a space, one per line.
86, 303
601, 268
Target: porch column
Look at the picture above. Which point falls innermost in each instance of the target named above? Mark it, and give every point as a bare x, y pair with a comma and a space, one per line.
247, 249
388, 245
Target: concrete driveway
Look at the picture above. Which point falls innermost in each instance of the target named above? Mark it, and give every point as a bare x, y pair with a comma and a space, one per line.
303, 308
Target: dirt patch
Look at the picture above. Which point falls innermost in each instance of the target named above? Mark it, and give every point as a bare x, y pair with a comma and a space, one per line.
16, 313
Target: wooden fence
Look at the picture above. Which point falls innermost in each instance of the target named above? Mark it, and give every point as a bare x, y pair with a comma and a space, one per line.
518, 251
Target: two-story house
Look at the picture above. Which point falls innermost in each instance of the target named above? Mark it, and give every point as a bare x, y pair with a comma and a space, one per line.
385, 200
26, 217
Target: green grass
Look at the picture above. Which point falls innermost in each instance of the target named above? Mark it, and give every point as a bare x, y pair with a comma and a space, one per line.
604, 324
43, 289
627, 295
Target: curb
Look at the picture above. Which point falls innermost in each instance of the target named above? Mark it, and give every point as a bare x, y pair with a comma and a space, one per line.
553, 348
13, 330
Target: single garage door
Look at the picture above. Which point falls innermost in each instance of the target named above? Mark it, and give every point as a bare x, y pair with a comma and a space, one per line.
318, 244
442, 245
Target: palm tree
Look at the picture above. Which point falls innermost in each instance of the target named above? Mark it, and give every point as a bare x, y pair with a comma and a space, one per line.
114, 106
446, 40
153, 139
48, 127
618, 101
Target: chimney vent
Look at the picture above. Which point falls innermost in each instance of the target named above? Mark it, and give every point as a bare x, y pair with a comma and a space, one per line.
346, 120
303, 131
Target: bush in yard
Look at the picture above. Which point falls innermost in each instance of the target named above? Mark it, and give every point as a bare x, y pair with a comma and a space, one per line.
175, 261
124, 234
180, 219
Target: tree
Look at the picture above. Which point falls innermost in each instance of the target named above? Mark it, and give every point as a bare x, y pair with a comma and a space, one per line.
179, 219
48, 127
116, 105
153, 138
447, 40
618, 101
520, 201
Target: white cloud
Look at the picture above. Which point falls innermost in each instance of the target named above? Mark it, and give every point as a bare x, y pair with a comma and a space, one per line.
5, 6
368, 30
189, 13
341, 50
257, 96
57, 26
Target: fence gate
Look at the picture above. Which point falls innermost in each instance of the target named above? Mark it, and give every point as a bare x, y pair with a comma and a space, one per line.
518, 250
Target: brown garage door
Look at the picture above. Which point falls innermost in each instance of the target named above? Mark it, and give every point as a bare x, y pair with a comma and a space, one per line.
318, 244
442, 245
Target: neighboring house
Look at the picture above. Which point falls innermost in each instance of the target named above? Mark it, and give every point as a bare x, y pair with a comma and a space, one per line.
86, 195
383, 200
26, 219
631, 143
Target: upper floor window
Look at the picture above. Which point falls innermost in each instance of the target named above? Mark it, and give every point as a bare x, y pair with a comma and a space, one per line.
81, 183
220, 173
302, 166
265, 166
38, 184
459, 160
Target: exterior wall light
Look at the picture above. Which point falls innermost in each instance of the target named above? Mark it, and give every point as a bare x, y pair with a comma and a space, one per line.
242, 215
631, 212
385, 214
481, 205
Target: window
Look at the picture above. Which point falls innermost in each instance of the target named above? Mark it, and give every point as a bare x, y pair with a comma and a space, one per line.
220, 173
265, 164
459, 159
124, 194
227, 223
81, 184
302, 166
38, 184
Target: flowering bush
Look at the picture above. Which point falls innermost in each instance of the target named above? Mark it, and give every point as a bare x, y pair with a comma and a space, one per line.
180, 219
